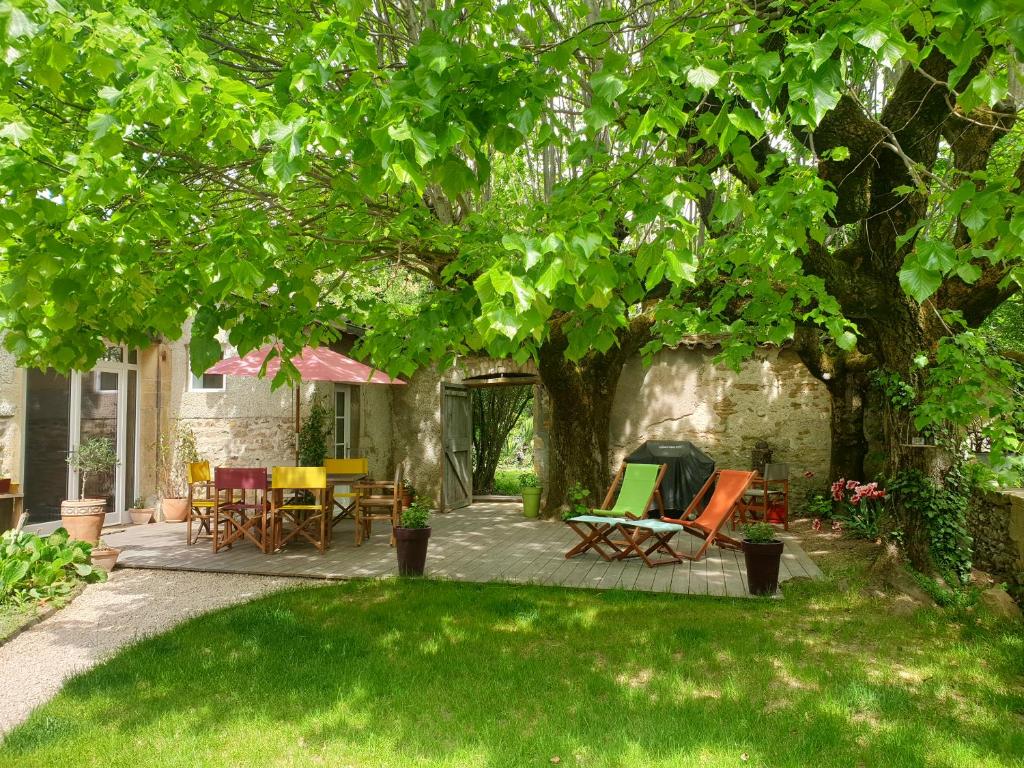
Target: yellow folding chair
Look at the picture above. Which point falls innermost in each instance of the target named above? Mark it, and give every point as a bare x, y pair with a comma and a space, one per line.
308, 520
345, 467
200, 499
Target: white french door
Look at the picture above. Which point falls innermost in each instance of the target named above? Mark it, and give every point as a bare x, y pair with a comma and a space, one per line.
101, 403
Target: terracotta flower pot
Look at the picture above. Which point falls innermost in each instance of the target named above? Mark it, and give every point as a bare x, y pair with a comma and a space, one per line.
5, 485
411, 545
83, 518
105, 558
763, 562
175, 510
141, 516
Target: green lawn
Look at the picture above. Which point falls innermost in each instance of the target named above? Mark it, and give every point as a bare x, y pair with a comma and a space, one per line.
424, 673
13, 618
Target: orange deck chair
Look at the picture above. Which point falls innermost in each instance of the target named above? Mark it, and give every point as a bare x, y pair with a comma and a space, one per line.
729, 485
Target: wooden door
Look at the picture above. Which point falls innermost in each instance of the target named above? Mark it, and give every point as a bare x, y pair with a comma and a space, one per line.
457, 437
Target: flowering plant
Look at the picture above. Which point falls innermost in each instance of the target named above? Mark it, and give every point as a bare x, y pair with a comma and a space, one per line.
860, 506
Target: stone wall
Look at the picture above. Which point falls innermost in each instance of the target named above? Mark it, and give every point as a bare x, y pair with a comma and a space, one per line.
996, 522
685, 395
12, 416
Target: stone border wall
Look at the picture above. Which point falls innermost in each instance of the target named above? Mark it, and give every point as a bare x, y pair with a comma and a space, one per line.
996, 521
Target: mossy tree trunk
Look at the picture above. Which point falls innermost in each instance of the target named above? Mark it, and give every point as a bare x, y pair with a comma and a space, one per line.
580, 395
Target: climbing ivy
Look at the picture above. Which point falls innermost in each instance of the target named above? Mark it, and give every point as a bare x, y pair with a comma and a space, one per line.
944, 510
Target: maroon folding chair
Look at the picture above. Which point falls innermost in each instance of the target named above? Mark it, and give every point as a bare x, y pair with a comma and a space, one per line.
241, 503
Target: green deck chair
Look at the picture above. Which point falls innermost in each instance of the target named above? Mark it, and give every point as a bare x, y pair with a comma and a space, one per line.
637, 485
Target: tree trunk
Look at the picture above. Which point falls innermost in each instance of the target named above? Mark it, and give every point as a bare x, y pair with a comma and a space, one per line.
849, 444
846, 378
580, 395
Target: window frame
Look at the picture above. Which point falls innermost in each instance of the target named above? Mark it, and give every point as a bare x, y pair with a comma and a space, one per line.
193, 379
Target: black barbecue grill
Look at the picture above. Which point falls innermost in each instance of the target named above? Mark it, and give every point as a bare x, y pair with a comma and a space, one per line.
688, 470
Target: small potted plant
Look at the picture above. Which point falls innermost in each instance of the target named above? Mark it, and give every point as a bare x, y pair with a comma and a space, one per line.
104, 556
408, 494
83, 518
530, 489
140, 513
762, 553
412, 537
180, 446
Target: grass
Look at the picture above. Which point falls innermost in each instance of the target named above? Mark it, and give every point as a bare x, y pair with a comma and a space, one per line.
422, 673
13, 618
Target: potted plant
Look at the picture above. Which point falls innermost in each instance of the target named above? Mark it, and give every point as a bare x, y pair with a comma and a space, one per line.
408, 494
181, 446
411, 538
762, 553
83, 518
530, 489
104, 556
140, 513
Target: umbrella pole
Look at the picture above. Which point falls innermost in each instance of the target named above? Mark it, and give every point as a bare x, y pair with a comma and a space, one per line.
298, 409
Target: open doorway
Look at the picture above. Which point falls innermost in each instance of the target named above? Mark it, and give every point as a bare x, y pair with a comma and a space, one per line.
503, 409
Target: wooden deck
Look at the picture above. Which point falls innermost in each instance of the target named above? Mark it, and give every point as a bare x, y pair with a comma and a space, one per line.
481, 543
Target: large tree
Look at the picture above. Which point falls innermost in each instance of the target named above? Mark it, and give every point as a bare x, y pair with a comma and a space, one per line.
568, 181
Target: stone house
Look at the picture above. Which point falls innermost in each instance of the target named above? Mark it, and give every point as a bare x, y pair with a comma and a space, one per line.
137, 396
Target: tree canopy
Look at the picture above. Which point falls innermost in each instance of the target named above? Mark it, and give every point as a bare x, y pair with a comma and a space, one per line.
545, 177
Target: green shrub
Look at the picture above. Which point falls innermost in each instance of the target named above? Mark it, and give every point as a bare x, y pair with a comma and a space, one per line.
578, 495
43, 568
510, 482
759, 533
416, 515
819, 505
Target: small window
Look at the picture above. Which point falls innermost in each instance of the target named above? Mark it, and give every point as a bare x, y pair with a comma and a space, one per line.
206, 382
106, 381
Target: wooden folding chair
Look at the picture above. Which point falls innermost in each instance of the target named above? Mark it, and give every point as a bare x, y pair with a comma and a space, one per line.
729, 486
240, 506
200, 500
635, 487
380, 500
345, 467
767, 493
309, 520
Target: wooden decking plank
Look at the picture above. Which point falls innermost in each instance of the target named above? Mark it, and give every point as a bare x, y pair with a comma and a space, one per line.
487, 542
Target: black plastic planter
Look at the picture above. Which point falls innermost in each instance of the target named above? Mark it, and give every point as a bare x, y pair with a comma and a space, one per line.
763, 561
411, 544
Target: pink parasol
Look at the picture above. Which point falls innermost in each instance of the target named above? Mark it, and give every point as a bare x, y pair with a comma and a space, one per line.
313, 364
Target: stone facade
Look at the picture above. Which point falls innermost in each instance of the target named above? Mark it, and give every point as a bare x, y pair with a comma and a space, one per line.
686, 395
996, 522
682, 395
248, 423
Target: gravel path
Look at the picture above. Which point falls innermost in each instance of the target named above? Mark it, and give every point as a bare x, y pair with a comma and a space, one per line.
131, 605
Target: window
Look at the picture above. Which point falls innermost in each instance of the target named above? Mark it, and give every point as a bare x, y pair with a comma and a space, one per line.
105, 381
205, 382
342, 428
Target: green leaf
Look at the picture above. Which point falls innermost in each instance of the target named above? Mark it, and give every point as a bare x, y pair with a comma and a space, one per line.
703, 77
747, 120
968, 272
918, 281
17, 132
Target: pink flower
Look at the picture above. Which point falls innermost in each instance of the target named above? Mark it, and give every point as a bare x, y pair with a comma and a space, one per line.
851, 484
